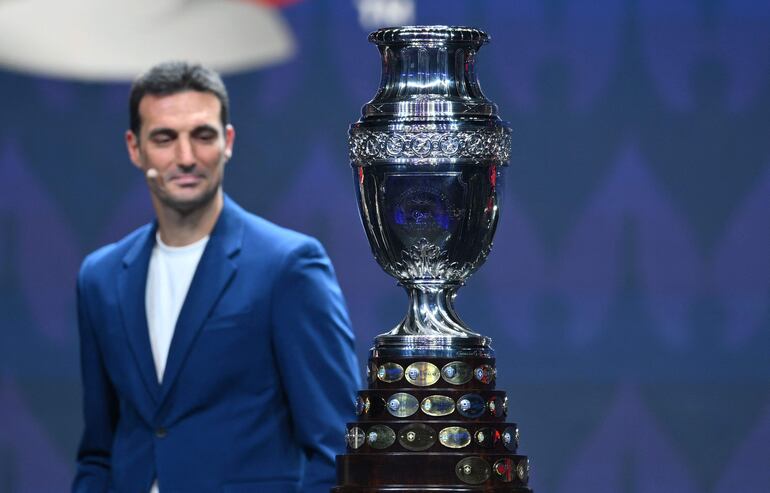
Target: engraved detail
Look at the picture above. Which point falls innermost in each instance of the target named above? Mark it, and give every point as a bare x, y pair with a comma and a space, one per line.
425, 260
423, 144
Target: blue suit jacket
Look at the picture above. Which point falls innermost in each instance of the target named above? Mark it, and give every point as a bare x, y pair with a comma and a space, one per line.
260, 376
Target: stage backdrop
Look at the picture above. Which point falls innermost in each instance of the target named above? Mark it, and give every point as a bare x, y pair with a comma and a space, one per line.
628, 291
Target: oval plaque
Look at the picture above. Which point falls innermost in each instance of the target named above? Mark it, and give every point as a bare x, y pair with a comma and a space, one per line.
457, 373
381, 436
472, 470
437, 405
487, 437
504, 470
522, 470
485, 373
454, 437
496, 406
511, 438
402, 405
362, 405
390, 372
417, 437
422, 374
471, 405
355, 437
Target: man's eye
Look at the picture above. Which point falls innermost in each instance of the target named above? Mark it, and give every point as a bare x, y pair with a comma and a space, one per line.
207, 136
161, 139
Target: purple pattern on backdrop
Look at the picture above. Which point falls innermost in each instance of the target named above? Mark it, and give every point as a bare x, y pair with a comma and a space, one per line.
676, 40
742, 265
514, 274
287, 79
134, 210
628, 442
584, 40
59, 95
666, 260
747, 470
35, 465
47, 263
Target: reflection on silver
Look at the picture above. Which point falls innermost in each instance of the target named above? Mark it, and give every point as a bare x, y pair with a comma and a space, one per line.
428, 156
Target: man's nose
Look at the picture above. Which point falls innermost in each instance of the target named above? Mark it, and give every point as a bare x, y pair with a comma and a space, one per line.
184, 153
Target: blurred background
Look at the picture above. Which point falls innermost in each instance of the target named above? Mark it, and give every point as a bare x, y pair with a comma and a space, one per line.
628, 292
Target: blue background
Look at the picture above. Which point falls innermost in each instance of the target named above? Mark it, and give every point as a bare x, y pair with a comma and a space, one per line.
628, 292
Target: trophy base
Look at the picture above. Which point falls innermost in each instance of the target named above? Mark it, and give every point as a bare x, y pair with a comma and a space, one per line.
431, 420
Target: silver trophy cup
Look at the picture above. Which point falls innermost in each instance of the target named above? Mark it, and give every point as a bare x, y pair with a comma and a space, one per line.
428, 156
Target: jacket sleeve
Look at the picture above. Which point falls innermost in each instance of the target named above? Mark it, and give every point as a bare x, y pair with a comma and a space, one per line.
100, 406
314, 347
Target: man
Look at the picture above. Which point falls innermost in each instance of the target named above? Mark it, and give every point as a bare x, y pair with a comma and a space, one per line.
215, 346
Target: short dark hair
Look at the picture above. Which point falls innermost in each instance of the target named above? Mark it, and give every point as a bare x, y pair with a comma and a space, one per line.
170, 78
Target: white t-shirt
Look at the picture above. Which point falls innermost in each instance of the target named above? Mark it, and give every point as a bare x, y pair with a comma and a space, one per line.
168, 279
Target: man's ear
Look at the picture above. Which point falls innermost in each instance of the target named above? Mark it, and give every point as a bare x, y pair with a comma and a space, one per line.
229, 140
132, 145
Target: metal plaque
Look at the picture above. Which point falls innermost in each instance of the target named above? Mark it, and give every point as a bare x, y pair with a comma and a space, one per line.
522, 470
511, 438
471, 405
473, 470
438, 405
485, 373
496, 406
504, 470
381, 437
390, 372
457, 373
355, 437
422, 374
417, 437
402, 405
454, 437
487, 437
362, 405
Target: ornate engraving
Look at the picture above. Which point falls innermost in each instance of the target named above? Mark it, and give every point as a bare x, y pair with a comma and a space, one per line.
425, 260
423, 144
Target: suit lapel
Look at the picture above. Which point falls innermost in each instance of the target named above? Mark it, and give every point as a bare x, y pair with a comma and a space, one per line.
215, 270
131, 286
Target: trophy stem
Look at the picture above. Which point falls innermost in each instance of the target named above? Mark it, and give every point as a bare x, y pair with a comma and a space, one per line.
431, 312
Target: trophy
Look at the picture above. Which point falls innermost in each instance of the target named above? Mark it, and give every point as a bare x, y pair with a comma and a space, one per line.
428, 157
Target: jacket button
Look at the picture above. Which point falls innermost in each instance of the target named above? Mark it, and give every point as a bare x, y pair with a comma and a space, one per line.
161, 433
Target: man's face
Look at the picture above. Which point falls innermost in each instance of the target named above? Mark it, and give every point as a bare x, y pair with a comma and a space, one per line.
182, 138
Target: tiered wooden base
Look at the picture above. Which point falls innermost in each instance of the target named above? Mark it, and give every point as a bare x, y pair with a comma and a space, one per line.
430, 424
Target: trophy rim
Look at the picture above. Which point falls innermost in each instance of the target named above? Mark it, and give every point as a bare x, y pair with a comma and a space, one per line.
423, 33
